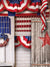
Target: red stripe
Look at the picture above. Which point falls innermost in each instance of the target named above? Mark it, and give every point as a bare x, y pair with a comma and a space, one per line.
3, 14
34, 4
27, 15
44, 16
43, 21
22, 30
43, 8
22, 21
22, 26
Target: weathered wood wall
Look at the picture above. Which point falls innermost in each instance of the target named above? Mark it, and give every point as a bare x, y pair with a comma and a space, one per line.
40, 55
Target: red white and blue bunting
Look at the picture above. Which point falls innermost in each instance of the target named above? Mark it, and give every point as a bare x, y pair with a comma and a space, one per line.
23, 40
15, 5
1, 6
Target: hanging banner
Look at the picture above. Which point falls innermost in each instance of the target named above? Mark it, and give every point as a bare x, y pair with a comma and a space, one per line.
15, 6
1, 6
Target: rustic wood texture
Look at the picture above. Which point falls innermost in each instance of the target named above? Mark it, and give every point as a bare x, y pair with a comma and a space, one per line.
7, 53
40, 55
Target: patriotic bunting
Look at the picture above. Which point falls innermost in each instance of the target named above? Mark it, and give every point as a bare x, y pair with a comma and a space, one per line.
17, 43
15, 5
43, 19
42, 14
23, 40
34, 5
1, 6
44, 6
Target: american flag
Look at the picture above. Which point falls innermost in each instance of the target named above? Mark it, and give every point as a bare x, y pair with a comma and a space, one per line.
22, 26
23, 31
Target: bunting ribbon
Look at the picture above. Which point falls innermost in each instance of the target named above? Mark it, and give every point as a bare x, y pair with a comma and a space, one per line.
34, 5
1, 6
42, 14
15, 5
23, 40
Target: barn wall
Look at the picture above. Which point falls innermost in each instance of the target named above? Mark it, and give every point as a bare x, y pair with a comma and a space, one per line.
40, 55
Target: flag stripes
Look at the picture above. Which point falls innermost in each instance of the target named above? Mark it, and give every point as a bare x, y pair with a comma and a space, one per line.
22, 25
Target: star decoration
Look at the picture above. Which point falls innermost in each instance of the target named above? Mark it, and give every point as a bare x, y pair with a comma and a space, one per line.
46, 39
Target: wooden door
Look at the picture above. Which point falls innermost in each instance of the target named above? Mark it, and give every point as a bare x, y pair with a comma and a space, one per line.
7, 52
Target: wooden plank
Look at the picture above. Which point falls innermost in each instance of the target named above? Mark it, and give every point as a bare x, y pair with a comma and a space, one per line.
2, 54
41, 64
10, 47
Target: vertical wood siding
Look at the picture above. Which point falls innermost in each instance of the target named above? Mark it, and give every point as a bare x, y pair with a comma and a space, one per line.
40, 55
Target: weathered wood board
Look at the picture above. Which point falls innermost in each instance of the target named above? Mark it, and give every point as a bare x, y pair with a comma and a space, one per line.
40, 55
7, 53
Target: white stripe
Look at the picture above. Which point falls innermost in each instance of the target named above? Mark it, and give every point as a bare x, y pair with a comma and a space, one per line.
33, 18
4, 12
43, 7
26, 18
34, 7
43, 18
44, 3
23, 41
23, 29
1, 6
23, 23
23, 33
